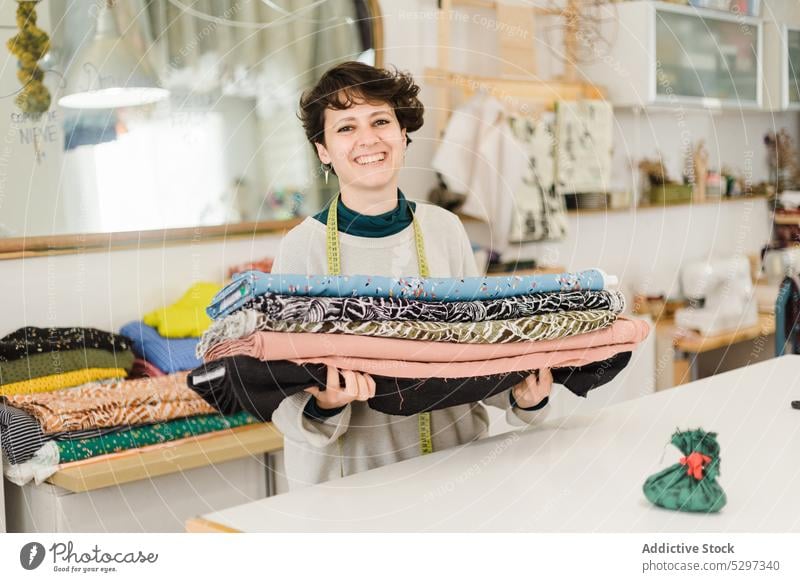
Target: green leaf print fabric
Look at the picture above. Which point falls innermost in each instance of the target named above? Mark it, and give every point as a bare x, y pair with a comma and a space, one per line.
152, 434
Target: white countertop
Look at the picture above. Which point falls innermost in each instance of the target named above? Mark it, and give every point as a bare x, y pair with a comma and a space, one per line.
577, 474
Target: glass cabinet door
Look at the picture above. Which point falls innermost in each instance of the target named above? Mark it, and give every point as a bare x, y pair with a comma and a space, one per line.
701, 57
793, 39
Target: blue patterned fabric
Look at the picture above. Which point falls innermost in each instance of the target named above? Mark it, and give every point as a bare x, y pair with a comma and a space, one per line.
168, 355
251, 284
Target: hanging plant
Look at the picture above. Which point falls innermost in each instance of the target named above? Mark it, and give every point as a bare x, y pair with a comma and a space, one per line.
29, 46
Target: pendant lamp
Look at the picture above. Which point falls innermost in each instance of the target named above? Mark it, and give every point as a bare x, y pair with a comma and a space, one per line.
108, 72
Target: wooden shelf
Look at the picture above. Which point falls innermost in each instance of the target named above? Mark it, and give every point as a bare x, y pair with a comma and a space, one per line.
39, 246
172, 457
787, 218
696, 344
649, 206
548, 91
200, 525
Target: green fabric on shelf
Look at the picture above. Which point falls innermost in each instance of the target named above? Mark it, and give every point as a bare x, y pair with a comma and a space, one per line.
691, 484
51, 363
151, 434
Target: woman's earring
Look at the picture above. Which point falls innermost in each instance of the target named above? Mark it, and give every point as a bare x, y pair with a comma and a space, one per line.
327, 169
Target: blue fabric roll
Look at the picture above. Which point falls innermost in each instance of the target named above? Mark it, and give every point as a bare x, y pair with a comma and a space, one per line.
168, 355
251, 284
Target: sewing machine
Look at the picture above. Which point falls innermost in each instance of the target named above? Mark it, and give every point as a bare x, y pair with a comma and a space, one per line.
720, 295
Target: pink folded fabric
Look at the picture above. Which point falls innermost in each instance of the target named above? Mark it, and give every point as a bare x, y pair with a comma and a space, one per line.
535, 361
268, 346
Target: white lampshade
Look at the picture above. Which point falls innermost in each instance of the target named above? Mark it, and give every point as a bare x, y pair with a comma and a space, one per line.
107, 72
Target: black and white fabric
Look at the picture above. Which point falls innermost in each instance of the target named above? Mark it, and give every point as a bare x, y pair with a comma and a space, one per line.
21, 435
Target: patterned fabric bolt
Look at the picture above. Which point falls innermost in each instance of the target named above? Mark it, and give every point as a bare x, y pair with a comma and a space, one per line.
133, 438
27, 341
130, 402
61, 381
21, 435
269, 307
314, 309
547, 326
252, 284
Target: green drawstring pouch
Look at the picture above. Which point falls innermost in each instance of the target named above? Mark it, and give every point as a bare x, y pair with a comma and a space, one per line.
691, 484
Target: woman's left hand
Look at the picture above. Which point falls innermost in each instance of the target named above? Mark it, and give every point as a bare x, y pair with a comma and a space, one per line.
534, 388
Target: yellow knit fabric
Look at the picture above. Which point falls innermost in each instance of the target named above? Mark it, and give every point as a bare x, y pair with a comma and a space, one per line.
64, 380
187, 316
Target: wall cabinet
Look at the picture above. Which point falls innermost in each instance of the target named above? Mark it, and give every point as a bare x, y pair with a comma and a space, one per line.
664, 54
782, 66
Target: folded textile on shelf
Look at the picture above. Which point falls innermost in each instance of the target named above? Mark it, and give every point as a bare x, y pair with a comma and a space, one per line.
140, 436
168, 355
46, 460
58, 362
62, 381
21, 435
245, 383
129, 402
186, 317
41, 465
28, 341
247, 286
546, 326
268, 346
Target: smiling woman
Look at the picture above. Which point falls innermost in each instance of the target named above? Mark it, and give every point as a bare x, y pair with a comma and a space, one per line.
357, 119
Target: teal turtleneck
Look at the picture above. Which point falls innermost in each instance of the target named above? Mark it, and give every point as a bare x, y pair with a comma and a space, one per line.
386, 224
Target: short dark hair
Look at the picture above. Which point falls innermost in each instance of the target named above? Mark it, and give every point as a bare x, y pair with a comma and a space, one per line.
354, 82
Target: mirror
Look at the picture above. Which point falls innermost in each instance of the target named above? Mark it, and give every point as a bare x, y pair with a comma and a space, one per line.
224, 148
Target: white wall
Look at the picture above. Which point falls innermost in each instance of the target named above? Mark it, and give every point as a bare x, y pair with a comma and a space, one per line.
107, 289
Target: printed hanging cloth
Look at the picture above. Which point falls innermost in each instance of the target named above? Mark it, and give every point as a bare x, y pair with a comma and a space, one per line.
691, 483
247, 286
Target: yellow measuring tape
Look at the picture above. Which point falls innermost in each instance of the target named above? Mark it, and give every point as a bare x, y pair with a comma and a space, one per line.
335, 268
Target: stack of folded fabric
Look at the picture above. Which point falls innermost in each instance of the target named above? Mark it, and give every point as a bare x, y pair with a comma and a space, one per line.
166, 339
34, 359
42, 430
428, 343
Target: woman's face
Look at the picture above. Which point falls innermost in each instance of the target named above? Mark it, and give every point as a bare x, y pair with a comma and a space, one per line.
364, 143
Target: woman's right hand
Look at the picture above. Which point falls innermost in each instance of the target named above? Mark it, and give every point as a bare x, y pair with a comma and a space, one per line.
357, 386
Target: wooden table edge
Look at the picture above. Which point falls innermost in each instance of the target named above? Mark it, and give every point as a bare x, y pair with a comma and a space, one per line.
201, 525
